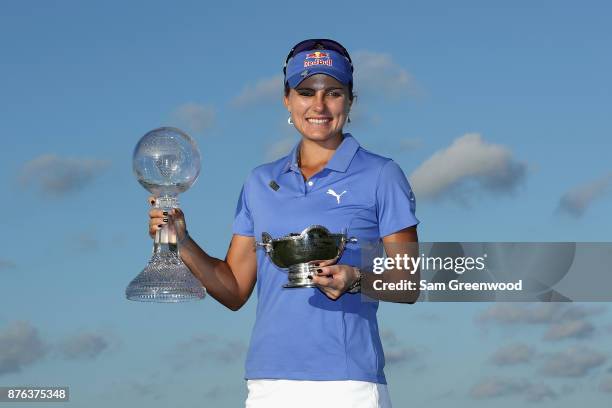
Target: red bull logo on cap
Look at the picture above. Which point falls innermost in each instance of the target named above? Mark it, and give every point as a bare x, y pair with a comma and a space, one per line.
320, 58
317, 55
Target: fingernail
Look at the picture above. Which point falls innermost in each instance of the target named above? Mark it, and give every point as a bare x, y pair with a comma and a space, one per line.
316, 264
165, 220
319, 270
165, 213
160, 225
310, 277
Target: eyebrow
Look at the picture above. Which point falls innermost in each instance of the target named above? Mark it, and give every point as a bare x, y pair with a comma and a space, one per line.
331, 88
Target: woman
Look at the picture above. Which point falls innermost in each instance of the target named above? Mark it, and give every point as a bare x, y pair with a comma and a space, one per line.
312, 345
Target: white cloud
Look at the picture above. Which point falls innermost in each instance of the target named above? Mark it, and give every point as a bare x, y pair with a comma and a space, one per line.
20, 346
388, 337
83, 346
573, 362
547, 313
195, 117
58, 176
396, 352
539, 393
207, 348
264, 90
497, 387
579, 312
468, 161
377, 74
6, 264
398, 355
85, 241
503, 387
576, 329
143, 389
507, 313
576, 201
513, 354
606, 384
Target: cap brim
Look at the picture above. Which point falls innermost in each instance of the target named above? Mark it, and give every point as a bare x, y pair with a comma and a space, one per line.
340, 76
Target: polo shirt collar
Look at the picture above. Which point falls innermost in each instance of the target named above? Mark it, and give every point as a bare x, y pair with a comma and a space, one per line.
339, 162
344, 154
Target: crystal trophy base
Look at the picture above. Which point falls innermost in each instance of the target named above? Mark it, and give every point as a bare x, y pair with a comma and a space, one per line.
165, 279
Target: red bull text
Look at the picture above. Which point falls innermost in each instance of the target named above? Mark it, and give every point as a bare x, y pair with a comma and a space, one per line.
318, 62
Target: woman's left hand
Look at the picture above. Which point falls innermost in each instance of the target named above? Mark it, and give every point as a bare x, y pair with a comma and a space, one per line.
334, 280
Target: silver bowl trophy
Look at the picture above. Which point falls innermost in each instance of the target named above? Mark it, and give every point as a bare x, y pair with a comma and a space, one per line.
166, 162
298, 252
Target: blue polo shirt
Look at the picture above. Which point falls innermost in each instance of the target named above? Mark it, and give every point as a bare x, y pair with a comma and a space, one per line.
300, 334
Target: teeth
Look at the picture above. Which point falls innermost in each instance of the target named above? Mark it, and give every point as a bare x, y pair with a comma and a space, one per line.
318, 121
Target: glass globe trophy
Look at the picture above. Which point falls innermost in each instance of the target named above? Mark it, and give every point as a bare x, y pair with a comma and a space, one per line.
166, 162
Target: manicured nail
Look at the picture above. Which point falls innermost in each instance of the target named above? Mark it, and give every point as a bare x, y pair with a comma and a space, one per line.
165, 220
310, 277
165, 213
316, 264
160, 225
319, 270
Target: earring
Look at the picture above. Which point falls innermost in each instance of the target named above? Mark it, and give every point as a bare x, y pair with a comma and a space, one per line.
348, 119
289, 121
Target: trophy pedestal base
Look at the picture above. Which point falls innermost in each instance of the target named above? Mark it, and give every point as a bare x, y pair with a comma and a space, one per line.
298, 274
298, 285
166, 279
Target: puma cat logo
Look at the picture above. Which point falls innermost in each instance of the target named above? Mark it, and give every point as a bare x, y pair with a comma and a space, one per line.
332, 192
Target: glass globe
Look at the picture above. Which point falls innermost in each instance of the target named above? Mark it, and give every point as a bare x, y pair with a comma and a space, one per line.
166, 162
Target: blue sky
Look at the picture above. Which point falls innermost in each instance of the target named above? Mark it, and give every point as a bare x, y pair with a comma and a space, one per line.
497, 112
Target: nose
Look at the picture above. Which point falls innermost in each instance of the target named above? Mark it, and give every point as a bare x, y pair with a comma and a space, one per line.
319, 101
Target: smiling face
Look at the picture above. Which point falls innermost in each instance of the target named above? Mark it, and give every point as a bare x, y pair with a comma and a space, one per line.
319, 107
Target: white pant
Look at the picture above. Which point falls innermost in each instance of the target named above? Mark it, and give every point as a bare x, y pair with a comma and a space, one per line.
319, 394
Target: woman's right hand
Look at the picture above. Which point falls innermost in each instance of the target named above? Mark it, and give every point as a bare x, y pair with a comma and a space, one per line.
158, 218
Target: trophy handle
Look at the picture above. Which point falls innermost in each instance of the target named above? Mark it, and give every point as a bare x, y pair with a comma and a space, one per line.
264, 245
267, 242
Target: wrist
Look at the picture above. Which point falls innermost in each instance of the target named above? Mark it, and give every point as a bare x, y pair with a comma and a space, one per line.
184, 239
355, 287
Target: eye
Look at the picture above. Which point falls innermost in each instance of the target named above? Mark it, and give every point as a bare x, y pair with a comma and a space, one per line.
305, 92
335, 93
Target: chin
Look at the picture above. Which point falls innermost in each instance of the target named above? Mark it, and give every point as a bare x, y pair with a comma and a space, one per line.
319, 136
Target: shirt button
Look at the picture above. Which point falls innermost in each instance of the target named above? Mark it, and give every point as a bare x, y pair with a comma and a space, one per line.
310, 183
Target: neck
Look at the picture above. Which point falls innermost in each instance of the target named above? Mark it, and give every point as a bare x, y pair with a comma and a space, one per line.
313, 154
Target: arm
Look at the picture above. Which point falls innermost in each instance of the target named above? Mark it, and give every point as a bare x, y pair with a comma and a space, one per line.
404, 242
229, 281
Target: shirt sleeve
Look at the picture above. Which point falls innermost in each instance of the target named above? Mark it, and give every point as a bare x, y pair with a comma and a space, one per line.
395, 202
243, 221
